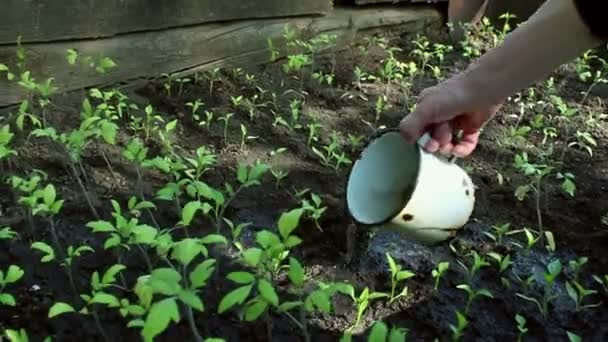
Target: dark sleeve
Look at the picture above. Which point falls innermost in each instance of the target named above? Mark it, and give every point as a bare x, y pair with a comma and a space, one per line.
593, 13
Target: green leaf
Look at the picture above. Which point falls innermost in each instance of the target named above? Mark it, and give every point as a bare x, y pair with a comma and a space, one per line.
252, 256
106, 299
110, 276
378, 333
214, 339
60, 308
7, 299
46, 249
287, 306
320, 300
241, 174
485, 293
191, 299
255, 310
572, 337
392, 264
14, 335
397, 335
71, 56
186, 250
189, 210
49, 194
158, 319
266, 239
144, 234
165, 281
213, 239
108, 132
101, 226
13, 274
292, 241
402, 275
296, 272
289, 221
241, 277
268, 292
202, 272
233, 298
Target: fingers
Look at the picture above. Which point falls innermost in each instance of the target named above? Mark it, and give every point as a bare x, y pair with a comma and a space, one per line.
412, 127
466, 145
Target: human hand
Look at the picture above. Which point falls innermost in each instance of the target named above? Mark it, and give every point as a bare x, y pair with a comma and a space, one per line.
444, 109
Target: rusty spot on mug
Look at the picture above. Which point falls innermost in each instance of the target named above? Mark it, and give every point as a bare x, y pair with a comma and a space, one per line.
407, 217
467, 192
465, 183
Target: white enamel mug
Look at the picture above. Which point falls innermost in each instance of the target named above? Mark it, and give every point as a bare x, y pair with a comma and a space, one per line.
398, 186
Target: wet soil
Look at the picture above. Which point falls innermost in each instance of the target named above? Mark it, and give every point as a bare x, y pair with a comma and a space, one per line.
329, 253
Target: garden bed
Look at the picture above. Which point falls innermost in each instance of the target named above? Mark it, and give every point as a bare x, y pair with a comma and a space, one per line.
284, 140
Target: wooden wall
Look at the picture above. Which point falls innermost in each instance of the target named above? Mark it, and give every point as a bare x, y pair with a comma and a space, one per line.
148, 38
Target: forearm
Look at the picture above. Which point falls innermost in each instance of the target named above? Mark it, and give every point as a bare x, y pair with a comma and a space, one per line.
554, 35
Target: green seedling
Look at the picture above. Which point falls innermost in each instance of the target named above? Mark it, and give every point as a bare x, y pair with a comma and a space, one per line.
278, 175
576, 265
226, 119
355, 141
521, 327
313, 208
5, 139
554, 269
12, 274
213, 76
439, 271
397, 275
266, 259
6, 233
195, 107
331, 154
472, 294
236, 231
245, 136
498, 232
572, 337
179, 284
478, 263
577, 292
502, 263
313, 133
603, 282
127, 231
362, 302
461, 325
380, 332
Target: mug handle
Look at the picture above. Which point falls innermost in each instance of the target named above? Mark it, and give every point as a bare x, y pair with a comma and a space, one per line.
457, 136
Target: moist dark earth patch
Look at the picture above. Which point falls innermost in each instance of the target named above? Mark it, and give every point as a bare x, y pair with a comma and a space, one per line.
326, 253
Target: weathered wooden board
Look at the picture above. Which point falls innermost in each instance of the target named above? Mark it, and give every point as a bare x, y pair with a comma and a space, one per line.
49, 20
368, 2
150, 54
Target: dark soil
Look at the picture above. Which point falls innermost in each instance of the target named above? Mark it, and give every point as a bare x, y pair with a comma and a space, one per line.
327, 254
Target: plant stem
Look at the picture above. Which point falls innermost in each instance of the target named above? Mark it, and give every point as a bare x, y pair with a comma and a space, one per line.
84, 190
220, 216
84, 174
538, 212
99, 326
143, 198
299, 324
191, 322
105, 158
146, 258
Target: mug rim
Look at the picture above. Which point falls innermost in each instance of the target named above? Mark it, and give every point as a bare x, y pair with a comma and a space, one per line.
408, 193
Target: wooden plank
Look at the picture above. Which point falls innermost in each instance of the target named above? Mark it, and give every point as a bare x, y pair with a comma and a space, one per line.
49, 20
202, 47
369, 2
